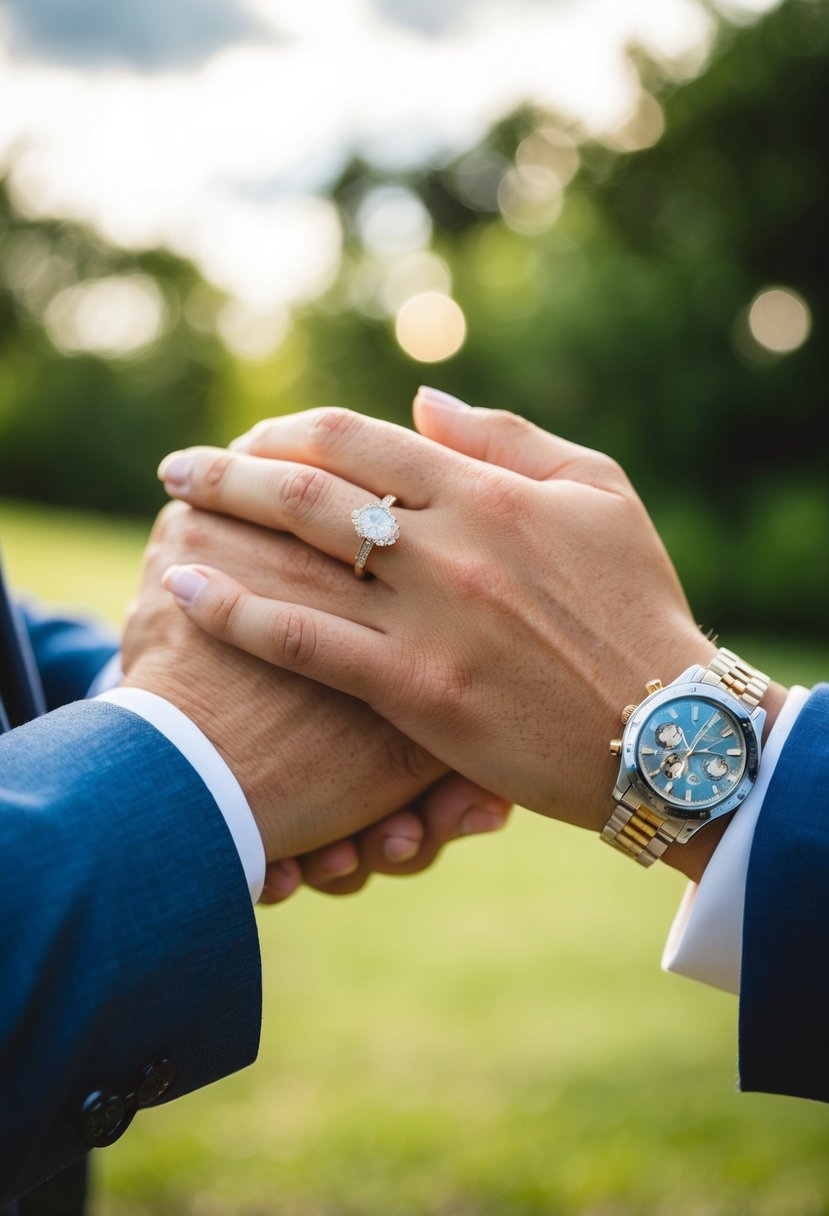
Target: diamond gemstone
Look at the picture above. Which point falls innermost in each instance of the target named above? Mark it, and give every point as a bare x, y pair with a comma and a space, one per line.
376, 523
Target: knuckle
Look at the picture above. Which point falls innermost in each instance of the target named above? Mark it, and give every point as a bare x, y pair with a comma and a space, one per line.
260, 433
448, 689
222, 612
602, 471
613, 474
330, 426
214, 470
193, 534
442, 683
167, 520
491, 490
304, 490
512, 424
294, 638
475, 578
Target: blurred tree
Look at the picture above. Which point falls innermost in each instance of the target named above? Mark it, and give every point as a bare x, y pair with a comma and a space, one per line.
623, 323
88, 429
606, 293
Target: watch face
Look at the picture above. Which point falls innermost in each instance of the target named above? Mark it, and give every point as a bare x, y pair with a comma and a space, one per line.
693, 753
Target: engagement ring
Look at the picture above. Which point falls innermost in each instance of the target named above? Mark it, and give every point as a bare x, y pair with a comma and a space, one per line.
375, 525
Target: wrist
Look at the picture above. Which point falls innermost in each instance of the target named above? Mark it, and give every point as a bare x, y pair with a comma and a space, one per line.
692, 858
678, 645
202, 698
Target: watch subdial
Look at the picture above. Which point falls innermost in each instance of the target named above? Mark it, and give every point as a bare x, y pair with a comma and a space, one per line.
668, 734
673, 766
715, 767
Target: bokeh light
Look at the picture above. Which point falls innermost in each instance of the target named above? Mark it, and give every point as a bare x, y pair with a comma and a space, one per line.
779, 319
641, 129
219, 159
392, 221
116, 316
431, 327
413, 275
250, 334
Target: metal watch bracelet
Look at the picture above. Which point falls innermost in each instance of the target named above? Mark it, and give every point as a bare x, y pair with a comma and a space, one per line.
635, 828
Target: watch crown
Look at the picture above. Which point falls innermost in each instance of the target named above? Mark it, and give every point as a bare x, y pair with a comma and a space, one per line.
615, 747
653, 686
627, 712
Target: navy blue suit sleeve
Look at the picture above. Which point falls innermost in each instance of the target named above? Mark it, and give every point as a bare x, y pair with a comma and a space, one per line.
127, 935
784, 989
69, 653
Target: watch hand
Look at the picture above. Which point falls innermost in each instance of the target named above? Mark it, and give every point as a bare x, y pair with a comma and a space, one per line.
702, 732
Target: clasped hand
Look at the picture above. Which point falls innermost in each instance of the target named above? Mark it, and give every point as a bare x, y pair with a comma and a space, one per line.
527, 600
316, 766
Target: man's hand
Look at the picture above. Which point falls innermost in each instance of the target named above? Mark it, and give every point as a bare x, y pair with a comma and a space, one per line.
315, 765
403, 843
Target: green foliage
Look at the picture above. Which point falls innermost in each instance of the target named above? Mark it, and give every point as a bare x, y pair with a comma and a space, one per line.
622, 325
84, 430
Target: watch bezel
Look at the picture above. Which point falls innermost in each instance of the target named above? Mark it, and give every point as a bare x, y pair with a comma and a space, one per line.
717, 697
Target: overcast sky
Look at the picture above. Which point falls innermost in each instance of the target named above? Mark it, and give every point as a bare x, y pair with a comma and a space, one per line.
213, 126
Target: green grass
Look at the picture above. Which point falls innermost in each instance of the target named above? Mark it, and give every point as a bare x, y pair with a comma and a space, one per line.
493, 1038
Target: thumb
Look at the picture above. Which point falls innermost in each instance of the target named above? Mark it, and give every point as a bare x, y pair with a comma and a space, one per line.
493, 436
505, 439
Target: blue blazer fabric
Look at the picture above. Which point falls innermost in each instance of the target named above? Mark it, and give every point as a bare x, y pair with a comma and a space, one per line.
127, 935
784, 986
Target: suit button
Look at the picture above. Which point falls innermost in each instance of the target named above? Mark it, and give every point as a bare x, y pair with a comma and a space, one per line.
103, 1118
154, 1081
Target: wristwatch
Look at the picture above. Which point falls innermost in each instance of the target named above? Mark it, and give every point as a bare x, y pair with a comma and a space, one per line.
689, 754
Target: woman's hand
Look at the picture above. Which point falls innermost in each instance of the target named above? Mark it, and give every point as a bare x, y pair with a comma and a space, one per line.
313, 763
521, 608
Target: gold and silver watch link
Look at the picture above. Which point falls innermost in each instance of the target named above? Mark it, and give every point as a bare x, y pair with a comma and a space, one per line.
689, 754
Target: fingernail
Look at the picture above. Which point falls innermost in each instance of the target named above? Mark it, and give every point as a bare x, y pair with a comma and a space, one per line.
335, 868
479, 819
440, 400
176, 471
400, 848
184, 583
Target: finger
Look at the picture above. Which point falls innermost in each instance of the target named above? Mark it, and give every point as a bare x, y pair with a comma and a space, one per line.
510, 441
352, 658
324, 866
386, 458
272, 564
312, 504
457, 807
453, 808
282, 878
396, 839
393, 842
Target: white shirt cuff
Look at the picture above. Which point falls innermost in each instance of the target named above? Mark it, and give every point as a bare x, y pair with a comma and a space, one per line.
197, 749
706, 938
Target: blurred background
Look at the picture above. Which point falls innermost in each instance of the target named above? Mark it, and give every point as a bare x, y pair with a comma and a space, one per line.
609, 215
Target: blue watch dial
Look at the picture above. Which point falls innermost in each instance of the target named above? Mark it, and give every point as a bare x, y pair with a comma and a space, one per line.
692, 753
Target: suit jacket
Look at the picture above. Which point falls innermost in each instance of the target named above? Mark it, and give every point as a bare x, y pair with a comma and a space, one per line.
129, 960
784, 986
